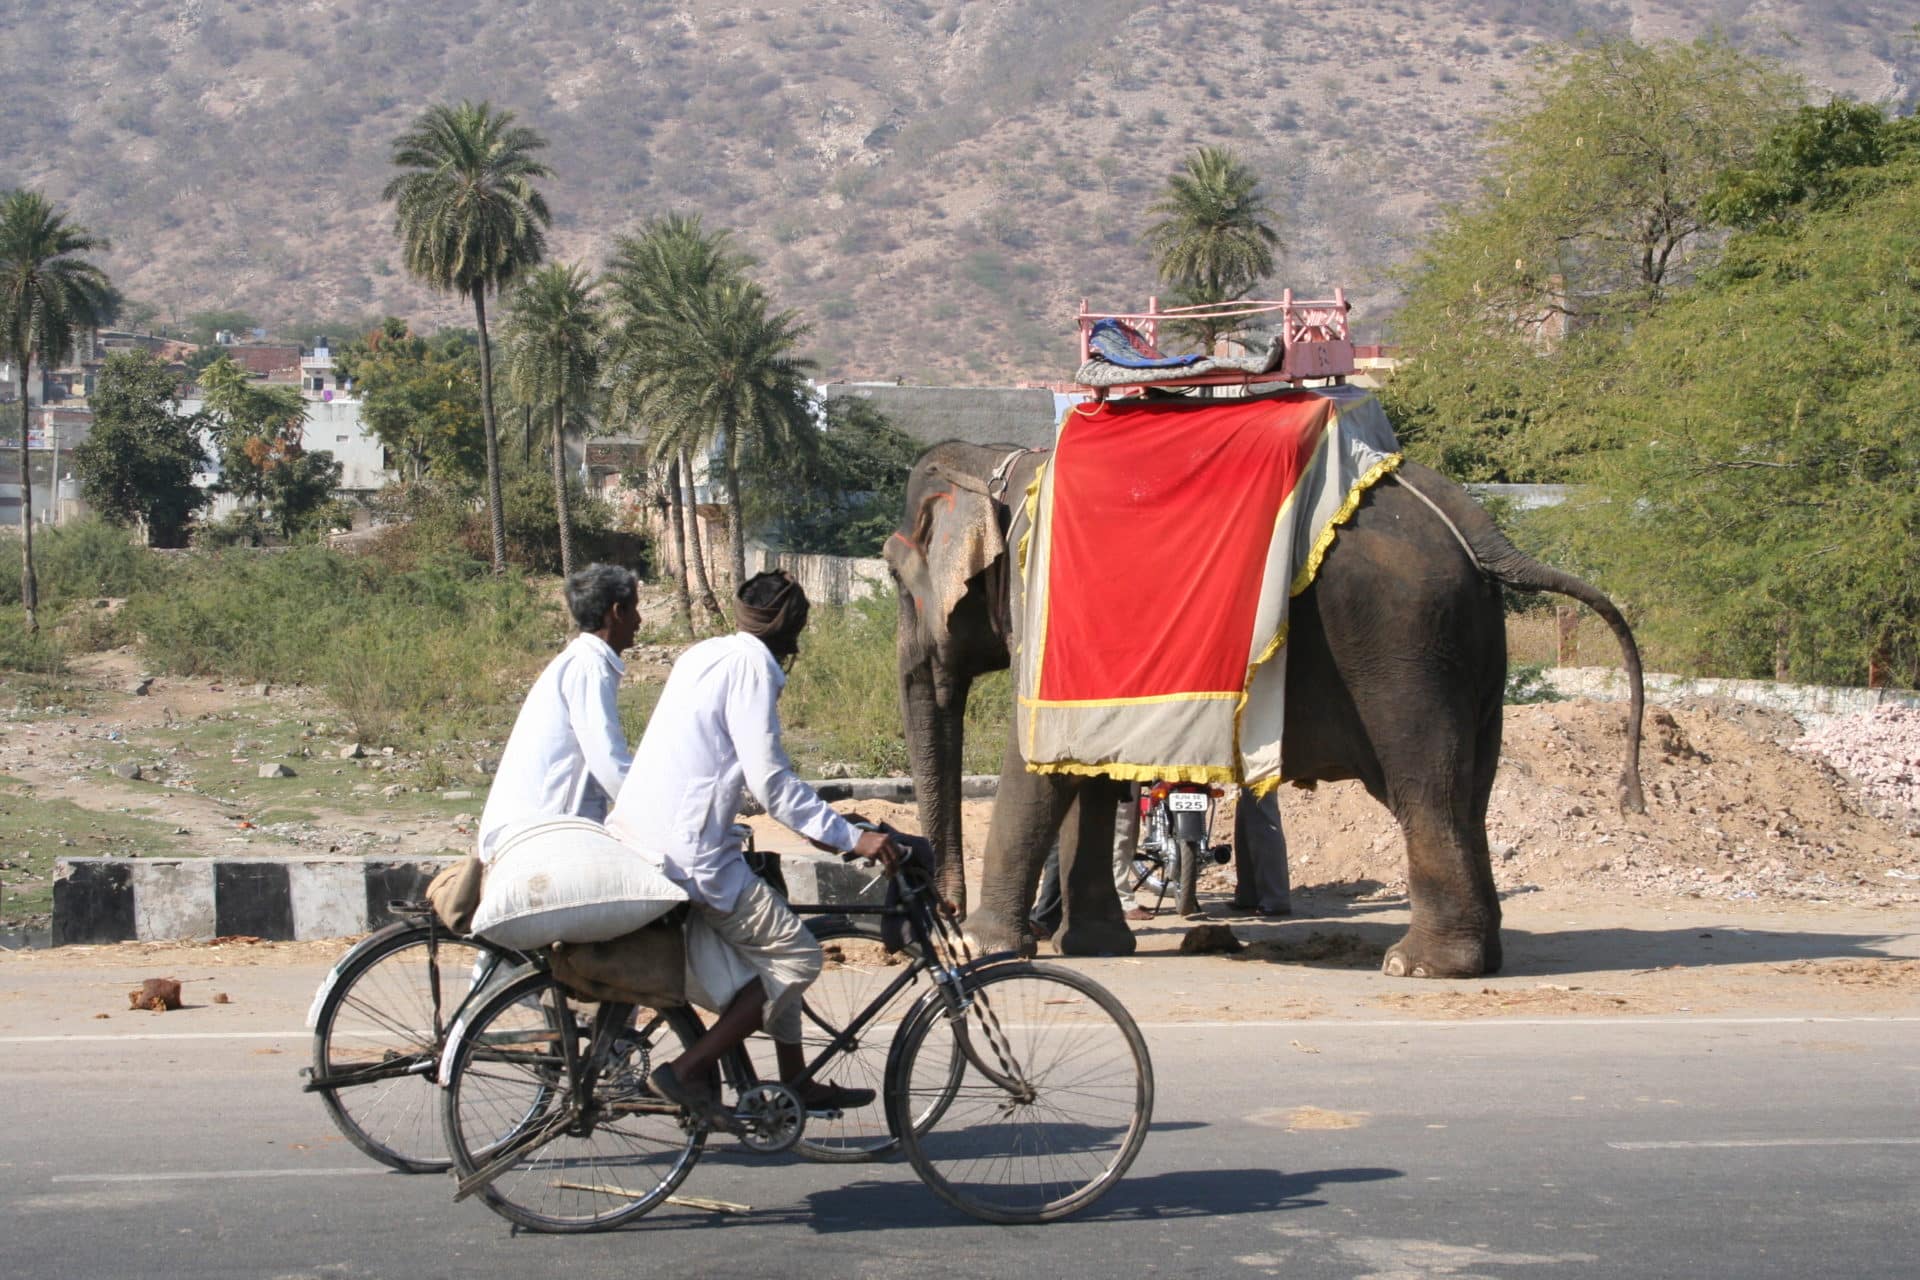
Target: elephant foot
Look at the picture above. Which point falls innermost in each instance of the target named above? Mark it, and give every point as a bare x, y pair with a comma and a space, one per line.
1426, 956
1096, 938
987, 933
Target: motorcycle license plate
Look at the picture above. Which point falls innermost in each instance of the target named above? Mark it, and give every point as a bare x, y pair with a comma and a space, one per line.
1187, 802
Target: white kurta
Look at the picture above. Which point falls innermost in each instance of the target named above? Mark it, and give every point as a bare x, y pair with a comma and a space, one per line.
715, 734
567, 754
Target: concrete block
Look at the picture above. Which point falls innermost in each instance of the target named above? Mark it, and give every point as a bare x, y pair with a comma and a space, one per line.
251, 898
329, 897
173, 899
825, 880
92, 901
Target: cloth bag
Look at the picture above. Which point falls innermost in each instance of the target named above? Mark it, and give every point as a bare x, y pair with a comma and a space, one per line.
673, 961
454, 894
567, 880
646, 967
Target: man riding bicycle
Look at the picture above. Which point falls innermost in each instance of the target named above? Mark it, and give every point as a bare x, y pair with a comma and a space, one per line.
567, 754
714, 735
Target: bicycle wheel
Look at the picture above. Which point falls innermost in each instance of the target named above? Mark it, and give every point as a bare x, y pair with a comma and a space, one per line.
511, 1100
1054, 1104
858, 971
378, 1034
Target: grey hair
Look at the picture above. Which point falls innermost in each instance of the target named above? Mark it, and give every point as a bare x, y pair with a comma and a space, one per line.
597, 588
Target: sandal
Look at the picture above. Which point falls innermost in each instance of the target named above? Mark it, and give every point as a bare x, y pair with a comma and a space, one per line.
824, 1095
697, 1102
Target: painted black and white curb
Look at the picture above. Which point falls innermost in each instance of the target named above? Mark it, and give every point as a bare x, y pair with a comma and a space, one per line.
100, 900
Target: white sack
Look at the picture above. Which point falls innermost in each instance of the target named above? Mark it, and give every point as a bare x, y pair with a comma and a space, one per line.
567, 880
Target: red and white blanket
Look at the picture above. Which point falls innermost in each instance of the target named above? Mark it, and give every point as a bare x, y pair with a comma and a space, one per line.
1159, 549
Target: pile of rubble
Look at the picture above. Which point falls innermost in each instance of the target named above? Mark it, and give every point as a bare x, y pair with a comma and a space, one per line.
1732, 812
1880, 752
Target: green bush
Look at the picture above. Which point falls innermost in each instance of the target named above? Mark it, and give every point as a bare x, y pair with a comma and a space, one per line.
842, 702
79, 561
437, 521
441, 648
38, 654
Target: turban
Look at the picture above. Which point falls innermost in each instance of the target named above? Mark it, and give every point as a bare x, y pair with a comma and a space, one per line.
779, 616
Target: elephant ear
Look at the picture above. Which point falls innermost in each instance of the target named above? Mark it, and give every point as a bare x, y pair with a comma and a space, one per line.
952, 535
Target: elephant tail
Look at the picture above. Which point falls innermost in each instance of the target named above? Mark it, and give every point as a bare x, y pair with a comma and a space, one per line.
1500, 560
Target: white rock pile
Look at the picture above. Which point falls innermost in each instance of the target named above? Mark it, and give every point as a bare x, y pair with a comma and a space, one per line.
1880, 751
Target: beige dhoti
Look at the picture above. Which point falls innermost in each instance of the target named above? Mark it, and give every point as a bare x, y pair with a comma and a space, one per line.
760, 940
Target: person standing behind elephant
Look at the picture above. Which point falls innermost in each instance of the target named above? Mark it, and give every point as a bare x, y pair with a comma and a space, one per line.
1260, 880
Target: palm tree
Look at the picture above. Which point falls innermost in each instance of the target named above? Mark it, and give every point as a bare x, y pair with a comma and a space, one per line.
49, 294
650, 277
554, 345
739, 380
1214, 238
469, 222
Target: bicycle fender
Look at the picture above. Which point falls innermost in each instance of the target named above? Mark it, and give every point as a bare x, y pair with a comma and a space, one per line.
377, 938
457, 1034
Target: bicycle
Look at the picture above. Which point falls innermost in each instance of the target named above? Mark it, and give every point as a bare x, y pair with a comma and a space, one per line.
1020, 1092
381, 1018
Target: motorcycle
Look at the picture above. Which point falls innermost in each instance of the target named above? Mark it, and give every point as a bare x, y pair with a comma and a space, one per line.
1176, 834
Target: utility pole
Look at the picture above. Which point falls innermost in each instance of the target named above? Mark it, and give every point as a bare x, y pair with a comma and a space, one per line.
53, 507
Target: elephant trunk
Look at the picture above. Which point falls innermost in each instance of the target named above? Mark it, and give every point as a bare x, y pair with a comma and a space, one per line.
934, 719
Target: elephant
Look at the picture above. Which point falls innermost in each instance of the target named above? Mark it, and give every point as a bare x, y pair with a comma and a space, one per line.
1396, 677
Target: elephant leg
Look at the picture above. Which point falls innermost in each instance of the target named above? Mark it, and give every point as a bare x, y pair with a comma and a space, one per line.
1455, 931
1094, 924
1027, 812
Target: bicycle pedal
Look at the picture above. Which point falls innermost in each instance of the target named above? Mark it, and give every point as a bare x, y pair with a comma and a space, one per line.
825, 1113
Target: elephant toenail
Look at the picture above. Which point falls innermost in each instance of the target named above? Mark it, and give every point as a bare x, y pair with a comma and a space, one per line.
1396, 967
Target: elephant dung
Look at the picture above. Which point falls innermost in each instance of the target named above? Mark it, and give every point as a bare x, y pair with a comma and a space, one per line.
1210, 940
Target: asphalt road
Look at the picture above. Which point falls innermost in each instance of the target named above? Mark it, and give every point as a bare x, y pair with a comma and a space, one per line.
1696, 1147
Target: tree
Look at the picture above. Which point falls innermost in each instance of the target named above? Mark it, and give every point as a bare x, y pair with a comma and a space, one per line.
49, 293
651, 274
257, 429
1802, 166
1214, 237
470, 221
738, 383
1593, 211
845, 497
554, 345
421, 398
1763, 506
137, 464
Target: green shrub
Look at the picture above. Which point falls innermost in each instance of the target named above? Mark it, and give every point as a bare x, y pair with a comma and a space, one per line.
1527, 683
38, 654
842, 702
440, 648
80, 561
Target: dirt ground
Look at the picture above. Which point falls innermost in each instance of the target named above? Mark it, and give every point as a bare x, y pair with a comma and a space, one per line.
1760, 879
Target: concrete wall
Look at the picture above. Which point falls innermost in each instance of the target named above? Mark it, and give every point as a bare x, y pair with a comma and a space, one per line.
825, 579
1812, 704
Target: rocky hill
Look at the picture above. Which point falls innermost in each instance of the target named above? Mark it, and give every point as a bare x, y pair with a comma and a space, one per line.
934, 184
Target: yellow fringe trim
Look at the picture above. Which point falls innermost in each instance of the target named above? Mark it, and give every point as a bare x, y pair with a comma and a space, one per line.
1141, 772
1265, 787
1324, 543
1220, 695
1309, 570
